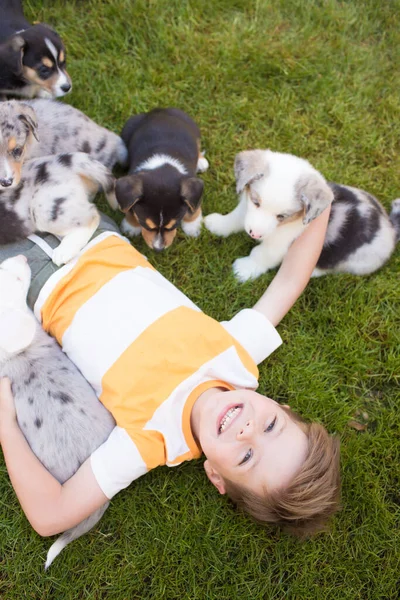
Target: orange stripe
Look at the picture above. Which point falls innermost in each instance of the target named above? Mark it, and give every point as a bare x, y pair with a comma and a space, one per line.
169, 351
96, 267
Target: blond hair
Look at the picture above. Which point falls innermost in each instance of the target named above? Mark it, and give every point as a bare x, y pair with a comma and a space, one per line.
305, 505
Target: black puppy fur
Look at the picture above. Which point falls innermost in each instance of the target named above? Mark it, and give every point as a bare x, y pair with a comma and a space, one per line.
28, 65
161, 190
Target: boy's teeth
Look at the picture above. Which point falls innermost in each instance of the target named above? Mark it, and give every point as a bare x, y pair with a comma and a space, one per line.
228, 417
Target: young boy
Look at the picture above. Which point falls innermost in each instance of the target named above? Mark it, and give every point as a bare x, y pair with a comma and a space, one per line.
177, 383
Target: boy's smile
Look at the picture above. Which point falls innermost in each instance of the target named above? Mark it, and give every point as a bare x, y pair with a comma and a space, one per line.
248, 439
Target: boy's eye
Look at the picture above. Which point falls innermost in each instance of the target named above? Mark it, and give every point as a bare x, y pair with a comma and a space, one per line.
246, 457
271, 425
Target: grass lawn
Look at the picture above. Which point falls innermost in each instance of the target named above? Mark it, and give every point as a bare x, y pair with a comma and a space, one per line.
319, 79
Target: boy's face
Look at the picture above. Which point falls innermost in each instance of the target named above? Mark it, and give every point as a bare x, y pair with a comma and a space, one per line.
250, 440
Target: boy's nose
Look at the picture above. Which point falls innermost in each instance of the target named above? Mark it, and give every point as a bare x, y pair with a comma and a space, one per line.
246, 431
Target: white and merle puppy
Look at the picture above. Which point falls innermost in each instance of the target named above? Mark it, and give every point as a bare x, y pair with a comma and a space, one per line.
32, 57
57, 410
54, 196
35, 128
161, 190
280, 194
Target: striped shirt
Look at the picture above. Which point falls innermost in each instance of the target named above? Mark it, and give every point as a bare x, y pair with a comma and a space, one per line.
148, 352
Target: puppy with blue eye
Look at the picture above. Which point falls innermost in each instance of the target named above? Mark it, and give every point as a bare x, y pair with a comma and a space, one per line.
32, 57
161, 191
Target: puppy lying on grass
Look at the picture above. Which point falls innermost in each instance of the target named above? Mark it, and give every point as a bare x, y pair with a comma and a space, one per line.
161, 191
57, 410
280, 194
53, 195
36, 128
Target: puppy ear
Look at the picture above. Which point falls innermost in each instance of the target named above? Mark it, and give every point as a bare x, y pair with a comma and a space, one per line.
128, 191
191, 191
250, 166
17, 330
11, 54
314, 194
28, 118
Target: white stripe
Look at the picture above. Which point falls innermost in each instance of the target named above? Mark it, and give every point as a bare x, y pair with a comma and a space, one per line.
58, 275
159, 160
117, 462
52, 48
167, 418
47, 249
111, 320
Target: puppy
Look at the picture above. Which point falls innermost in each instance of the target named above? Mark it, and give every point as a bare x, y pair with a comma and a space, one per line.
161, 191
37, 128
57, 410
280, 194
53, 196
32, 58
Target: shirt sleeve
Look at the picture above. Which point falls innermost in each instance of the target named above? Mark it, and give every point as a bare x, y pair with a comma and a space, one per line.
254, 332
117, 462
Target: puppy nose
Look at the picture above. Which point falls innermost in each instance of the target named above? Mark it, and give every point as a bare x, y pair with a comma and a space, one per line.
254, 235
66, 87
6, 182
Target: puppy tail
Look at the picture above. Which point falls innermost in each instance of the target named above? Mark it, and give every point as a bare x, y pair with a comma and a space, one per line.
94, 172
73, 534
395, 217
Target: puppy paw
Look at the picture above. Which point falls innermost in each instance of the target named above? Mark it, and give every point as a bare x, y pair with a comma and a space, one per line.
246, 268
192, 228
217, 224
202, 164
129, 229
64, 253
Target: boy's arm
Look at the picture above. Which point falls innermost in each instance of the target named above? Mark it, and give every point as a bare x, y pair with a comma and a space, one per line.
295, 271
49, 506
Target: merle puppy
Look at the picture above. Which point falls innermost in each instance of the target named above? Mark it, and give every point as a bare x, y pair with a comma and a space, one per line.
54, 196
36, 128
57, 410
32, 57
161, 190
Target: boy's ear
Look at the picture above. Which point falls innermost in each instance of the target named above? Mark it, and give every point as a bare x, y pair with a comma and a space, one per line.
214, 477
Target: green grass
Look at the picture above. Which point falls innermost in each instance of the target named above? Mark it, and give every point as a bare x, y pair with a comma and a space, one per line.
319, 79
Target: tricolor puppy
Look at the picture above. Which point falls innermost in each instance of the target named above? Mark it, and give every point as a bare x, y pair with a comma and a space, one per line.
161, 190
35, 128
280, 194
32, 57
54, 196
57, 410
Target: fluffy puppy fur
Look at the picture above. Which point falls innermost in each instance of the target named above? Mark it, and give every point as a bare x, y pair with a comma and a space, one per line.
161, 191
32, 58
36, 128
280, 194
53, 196
57, 410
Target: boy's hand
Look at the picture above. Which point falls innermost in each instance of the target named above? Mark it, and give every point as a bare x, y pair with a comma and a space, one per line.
295, 271
7, 407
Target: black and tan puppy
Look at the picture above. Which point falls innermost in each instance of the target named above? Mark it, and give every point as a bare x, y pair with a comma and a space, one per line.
161, 190
32, 57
